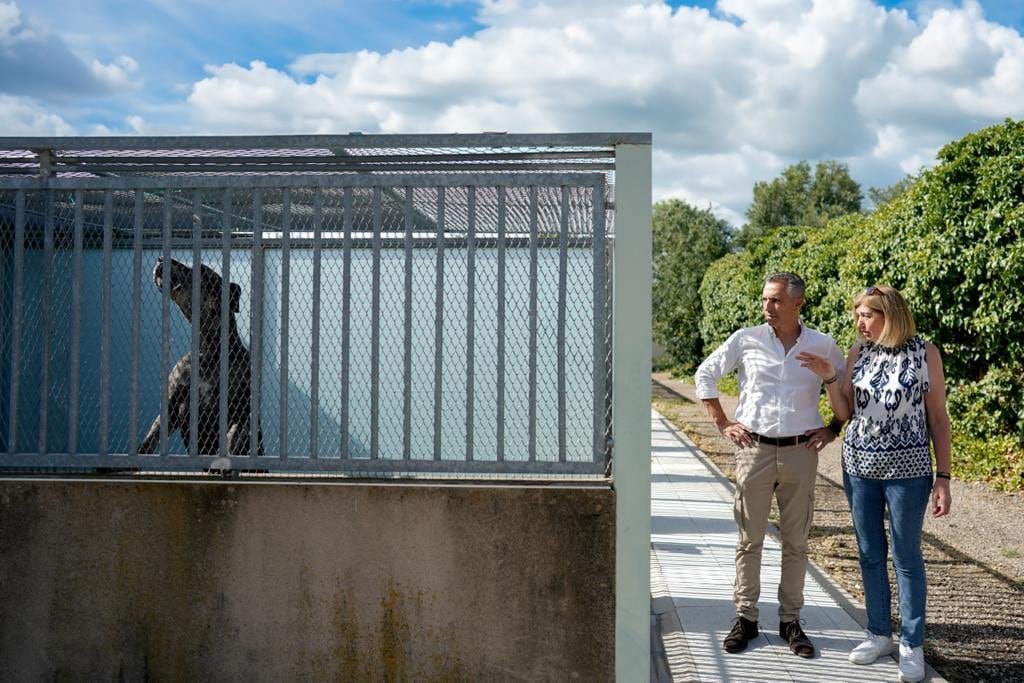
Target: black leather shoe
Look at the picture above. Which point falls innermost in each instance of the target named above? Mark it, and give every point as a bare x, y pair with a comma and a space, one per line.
743, 631
799, 643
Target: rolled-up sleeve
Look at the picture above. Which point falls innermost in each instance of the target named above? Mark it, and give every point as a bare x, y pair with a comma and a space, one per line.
722, 361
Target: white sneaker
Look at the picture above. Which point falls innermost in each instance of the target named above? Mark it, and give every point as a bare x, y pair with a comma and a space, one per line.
911, 664
872, 648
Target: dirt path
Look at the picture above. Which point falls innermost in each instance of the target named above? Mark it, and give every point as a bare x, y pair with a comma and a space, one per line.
973, 557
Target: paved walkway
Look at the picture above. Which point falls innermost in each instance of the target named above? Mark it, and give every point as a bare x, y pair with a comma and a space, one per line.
693, 539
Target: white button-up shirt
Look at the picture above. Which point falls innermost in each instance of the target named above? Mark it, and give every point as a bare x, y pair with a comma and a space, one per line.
777, 397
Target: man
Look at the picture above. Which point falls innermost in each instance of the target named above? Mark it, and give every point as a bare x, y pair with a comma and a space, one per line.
779, 432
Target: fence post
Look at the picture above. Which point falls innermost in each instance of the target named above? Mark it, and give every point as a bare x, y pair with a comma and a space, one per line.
631, 393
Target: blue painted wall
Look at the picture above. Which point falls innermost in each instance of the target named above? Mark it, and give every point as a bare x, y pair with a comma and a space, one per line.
579, 335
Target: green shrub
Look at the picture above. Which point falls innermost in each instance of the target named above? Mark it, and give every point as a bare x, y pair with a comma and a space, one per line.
730, 293
729, 296
827, 303
992, 405
686, 241
953, 242
996, 460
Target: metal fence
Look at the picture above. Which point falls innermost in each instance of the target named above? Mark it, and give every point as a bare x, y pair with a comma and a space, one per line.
413, 310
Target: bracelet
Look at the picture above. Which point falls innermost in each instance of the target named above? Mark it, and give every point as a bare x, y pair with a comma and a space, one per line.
942, 475
835, 426
832, 379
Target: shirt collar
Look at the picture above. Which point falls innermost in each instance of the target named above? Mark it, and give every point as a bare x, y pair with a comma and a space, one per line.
799, 335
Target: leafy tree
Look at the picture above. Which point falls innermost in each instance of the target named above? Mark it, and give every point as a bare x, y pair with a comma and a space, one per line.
833, 194
779, 202
799, 198
883, 195
686, 241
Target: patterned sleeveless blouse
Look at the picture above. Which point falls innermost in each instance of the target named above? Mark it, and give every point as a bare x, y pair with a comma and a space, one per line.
887, 437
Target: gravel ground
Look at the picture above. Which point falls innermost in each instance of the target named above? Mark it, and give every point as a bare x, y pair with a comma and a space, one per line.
974, 556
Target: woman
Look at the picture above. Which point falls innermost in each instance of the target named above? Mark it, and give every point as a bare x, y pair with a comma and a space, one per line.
894, 395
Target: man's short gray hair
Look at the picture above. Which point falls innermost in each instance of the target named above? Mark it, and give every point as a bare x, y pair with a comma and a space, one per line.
794, 283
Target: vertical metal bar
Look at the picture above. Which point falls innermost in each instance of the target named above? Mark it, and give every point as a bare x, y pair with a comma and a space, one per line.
44, 381
407, 337
197, 307
470, 316
133, 414
533, 326
76, 324
165, 327
375, 330
346, 314
600, 284
314, 371
502, 214
438, 322
225, 314
256, 324
108, 230
18, 308
563, 265
286, 226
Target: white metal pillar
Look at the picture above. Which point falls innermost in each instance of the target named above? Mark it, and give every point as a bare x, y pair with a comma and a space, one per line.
631, 399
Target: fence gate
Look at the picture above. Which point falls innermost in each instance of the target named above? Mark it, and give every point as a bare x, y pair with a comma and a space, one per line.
370, 305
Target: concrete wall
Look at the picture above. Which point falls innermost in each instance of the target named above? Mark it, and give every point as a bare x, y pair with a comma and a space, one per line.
240, 581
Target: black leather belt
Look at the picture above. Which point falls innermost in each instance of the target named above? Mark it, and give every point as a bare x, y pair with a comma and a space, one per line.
781, 440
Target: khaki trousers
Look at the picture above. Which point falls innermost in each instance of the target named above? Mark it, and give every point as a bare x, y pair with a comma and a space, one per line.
788, 472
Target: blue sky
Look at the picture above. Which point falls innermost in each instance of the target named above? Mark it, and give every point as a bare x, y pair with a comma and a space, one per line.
733, 90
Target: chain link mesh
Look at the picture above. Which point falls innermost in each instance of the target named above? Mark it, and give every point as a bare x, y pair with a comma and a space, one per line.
432, 325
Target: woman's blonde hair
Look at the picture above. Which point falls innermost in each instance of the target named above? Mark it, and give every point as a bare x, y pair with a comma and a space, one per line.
899, 323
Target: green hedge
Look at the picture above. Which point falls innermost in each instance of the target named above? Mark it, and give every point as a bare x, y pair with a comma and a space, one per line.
953, 243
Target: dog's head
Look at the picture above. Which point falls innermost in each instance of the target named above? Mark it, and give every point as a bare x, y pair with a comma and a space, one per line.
179, 282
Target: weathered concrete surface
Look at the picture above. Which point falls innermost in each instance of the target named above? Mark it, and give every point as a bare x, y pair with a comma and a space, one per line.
246, 581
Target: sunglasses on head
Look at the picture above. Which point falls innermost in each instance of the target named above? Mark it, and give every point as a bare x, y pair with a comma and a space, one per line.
873, 290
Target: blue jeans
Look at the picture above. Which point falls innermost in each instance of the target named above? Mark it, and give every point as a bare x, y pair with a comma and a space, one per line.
906, 500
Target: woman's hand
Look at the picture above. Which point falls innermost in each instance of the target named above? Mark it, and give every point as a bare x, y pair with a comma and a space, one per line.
941, 498
819, 365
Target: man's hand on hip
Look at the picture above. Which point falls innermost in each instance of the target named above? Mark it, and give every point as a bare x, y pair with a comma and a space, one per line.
736, 433
819, 438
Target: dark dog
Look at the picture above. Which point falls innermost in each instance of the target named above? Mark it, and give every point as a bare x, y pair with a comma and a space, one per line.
180, 380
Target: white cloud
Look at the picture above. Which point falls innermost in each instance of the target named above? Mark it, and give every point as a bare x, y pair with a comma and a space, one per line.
116, 75
37, 63
22, 116
136, 124
322, 63
10, 19
958, 72
732, 95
